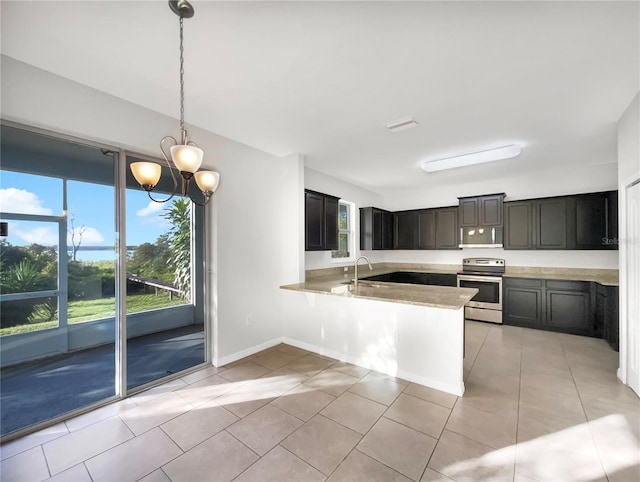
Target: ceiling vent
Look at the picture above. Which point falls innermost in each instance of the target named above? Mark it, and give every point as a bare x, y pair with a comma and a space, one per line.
401, 124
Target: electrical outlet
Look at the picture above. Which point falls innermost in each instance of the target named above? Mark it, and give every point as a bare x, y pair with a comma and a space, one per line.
249, 320
346, 268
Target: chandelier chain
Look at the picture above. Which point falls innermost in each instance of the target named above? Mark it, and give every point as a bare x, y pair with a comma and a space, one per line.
182, 131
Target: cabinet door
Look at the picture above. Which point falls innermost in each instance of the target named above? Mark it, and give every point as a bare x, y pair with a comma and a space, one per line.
551, 223
387, 230
518, 225
612, 220
314, 221
612, 321
446, 228
600, 313
523, 302
377, 229
568, 311
405, 230
366, 229
490, 210
330, 223
468, 212
591, 221
426, 229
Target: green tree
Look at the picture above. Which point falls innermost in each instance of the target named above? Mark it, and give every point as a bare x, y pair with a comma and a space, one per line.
152, 260
179, 238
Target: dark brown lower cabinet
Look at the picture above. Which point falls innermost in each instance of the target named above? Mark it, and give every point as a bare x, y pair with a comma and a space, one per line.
523, 302
607, 313
576, 307
568, 308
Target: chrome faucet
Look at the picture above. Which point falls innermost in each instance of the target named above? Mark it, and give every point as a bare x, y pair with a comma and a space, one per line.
355, 266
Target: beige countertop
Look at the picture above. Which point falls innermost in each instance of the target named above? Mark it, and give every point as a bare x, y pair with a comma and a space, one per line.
333, 281
606, 277
434, 296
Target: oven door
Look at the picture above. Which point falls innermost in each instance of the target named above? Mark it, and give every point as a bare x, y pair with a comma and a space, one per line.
489, 289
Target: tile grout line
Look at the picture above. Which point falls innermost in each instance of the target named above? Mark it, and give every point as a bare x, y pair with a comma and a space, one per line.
515, 455
584, 410
87, 469
46, 461
454, 406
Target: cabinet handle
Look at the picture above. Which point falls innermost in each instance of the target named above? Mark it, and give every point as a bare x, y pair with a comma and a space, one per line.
606, 218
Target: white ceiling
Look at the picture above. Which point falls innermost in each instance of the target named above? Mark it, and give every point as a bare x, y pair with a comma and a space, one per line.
322, 78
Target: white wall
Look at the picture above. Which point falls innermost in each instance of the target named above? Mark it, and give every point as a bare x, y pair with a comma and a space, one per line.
628, 172
317, 181
547, 183
246, 255
558, 182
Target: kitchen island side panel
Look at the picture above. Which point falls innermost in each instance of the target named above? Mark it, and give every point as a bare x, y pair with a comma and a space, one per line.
417, 343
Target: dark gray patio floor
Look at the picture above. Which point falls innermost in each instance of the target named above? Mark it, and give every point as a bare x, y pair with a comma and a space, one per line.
34, 392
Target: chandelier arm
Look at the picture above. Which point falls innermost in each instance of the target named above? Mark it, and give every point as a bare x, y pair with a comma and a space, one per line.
160, 201
173, 176
187, 192
206, 200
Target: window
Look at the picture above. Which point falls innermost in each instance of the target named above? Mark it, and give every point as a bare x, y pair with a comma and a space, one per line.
346, 235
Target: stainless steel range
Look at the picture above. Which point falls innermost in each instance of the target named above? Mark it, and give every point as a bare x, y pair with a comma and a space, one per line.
484, 274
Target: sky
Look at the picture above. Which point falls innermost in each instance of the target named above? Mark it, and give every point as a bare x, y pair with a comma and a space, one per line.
91, 206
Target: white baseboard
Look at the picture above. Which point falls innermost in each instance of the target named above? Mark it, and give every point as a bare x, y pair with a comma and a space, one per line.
218, 362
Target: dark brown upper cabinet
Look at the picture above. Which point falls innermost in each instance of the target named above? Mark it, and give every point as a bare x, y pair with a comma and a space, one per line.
376, 229
447, 228
321, 221
481, 210
550, 223
435, 228
583, 221
427, 229
536, 224
405, 230
518, 225
596, 220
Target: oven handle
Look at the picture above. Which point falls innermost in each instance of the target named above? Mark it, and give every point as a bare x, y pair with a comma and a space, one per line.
490, 279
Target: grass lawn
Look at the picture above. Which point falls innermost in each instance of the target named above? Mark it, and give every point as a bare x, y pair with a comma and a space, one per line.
87, 310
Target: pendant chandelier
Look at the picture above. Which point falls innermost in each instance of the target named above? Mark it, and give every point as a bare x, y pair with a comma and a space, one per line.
186, 155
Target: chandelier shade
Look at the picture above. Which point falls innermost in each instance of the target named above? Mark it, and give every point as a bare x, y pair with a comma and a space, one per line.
207, 181
187, 158
146, 173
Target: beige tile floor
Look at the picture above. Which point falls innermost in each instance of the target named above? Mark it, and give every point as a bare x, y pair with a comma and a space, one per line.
539, 406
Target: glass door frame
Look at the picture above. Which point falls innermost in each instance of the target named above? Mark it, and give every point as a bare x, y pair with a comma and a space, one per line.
200, 283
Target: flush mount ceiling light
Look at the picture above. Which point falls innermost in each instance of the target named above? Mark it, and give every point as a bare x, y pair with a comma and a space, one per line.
497, 154
401, 124
186, 156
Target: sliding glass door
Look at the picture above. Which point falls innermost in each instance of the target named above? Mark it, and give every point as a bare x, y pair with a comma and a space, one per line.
57, 302
61, 202
165, 321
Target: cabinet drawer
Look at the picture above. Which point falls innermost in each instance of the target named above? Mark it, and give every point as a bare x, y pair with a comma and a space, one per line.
567, 285
523, 282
